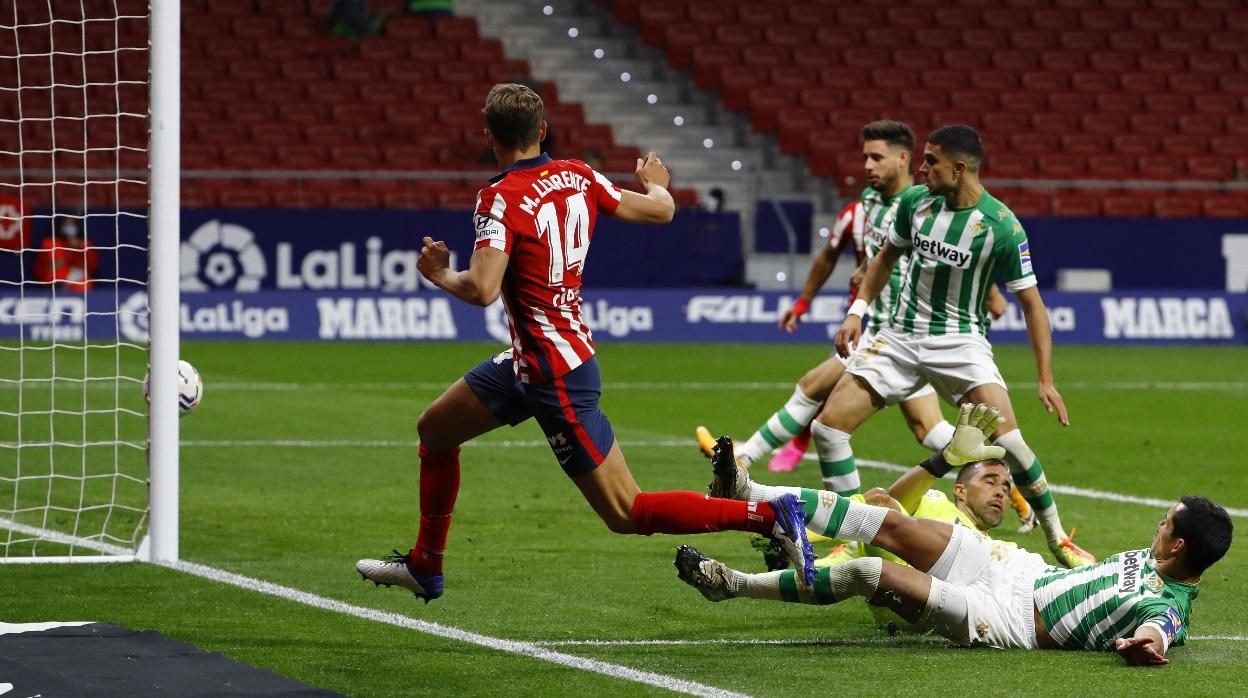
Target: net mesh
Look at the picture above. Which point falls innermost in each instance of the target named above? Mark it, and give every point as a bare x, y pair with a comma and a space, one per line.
73, 261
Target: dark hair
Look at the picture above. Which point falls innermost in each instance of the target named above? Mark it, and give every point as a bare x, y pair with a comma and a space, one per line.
1206, 529
959, 140
894, 133
513, 113
968, 470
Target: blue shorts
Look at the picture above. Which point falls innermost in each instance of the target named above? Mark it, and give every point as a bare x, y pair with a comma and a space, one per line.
566, 409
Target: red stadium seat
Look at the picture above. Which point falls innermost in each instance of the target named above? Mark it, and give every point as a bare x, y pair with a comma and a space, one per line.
1235, 206
301, 156
1110, 167
1034, 143
1006, 165
739, 34
1120, 103
1156, 124
1162, 167
710, 13
1177, 207
681, 41
1228, 145
1029, 202
1045, 81
1023, 101
764, 103
1080, 205
1136, 144
1060, 166
766, 55
1005, 123
1085, 143
994, 80
1054, 122
979, 39
794, 77
709, 63
924, 100
1104, 124
1139, 42
895, 80
789, 35
1128, 205
737, 81
1113, 61
1063, 61
1216, 167
1182, 42
946, 80
245, 197
1229, 42
844, 79
1096, 82
761, 14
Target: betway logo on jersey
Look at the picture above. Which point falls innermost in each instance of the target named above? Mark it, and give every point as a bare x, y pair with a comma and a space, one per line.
752, 309
385, 318
1167, 318
45, 319
942, 252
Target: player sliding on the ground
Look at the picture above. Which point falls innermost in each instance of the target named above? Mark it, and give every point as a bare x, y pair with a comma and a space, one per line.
972, 589
533, 227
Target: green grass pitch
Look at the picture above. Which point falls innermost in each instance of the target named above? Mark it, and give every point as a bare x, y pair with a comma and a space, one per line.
301, 459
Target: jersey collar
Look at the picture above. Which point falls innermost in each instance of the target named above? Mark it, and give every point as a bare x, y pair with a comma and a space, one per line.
521, 165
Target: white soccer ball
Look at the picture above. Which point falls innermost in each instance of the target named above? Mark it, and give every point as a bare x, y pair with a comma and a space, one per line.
190, 387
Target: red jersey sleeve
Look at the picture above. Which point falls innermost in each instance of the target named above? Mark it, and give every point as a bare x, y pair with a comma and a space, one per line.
842, 234
487, 221
606, 194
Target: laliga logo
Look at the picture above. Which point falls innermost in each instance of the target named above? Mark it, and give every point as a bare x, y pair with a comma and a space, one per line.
224, 255
496, 322
133, 317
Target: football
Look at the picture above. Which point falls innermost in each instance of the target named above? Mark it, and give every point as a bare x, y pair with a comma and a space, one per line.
190, 387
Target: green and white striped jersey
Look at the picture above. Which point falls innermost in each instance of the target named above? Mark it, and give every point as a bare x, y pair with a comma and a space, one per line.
879, 212
1090, 607
955, 257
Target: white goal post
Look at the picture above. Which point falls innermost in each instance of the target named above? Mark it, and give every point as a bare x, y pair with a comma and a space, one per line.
89, 282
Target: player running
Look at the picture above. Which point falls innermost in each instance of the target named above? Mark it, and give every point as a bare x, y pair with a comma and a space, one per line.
961, 240
887, 150
533, 225
972, 589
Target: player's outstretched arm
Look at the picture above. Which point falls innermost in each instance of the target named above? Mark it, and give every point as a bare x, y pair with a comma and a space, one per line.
1144, 649
479, 285
821, 268
877, 275
1040, 334
656, 205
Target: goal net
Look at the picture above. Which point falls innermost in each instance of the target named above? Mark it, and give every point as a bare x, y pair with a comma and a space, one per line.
75, 141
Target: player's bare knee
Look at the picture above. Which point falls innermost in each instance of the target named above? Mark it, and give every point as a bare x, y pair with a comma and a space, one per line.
432, 431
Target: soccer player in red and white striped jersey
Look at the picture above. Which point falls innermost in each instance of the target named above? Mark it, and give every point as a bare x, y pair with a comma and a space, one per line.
533, 227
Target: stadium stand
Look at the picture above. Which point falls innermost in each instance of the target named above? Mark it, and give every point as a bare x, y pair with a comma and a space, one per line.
1060, 90
264, 88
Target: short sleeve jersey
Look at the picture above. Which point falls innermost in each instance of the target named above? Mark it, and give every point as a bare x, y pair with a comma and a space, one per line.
955, 257
1090, 607
541, 212
879, 212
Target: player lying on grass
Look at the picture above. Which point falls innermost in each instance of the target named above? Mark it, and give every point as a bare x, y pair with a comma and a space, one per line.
972, 589
533, 227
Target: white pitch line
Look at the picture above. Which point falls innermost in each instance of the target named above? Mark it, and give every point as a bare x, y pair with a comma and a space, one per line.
713, 385
841, 641
526, 649
665, 443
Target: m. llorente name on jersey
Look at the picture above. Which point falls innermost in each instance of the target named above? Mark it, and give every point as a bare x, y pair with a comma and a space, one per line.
558, 181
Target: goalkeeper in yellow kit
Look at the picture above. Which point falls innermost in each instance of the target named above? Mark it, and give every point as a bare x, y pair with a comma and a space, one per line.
981, 494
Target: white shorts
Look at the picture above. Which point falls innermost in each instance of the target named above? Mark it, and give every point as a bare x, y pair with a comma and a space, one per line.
865, 340
997, 579
895, 363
